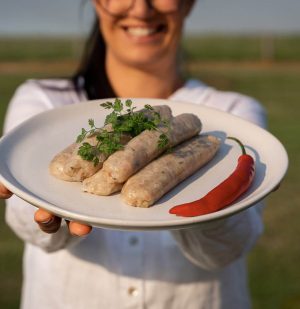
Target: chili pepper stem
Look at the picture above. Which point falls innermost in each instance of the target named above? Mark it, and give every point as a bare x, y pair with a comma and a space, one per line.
239, 142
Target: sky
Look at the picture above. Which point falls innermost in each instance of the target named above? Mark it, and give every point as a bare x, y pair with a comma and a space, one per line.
73, 17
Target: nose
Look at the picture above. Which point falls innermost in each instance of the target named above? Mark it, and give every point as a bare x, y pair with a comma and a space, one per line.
141, 9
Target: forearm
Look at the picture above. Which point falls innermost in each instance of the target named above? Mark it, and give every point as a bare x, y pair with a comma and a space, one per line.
217, 244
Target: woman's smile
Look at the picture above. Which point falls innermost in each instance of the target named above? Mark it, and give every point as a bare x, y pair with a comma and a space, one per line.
143, 30
145, 33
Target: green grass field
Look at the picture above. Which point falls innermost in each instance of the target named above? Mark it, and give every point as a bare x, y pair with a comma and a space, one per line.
236, 64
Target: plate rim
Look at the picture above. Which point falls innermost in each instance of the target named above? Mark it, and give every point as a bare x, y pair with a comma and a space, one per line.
119, 223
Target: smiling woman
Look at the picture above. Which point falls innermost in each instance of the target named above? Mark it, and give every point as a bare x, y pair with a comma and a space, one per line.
132, 53
142, 38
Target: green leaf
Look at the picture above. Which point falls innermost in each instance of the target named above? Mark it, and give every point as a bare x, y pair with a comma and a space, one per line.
111, 118
149, 107
118, 105
87, 151
163, 141
81, 136
128, 103
107, 105
91, 123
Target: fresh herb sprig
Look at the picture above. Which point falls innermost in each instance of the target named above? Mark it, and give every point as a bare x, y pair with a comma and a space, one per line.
123, 120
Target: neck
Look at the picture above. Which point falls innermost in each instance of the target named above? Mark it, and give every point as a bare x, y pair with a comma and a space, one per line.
129, 81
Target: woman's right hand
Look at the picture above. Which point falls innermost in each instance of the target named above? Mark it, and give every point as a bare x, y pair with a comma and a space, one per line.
4, 192
48, 222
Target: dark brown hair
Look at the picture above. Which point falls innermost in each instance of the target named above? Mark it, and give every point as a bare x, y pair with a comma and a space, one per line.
91, 73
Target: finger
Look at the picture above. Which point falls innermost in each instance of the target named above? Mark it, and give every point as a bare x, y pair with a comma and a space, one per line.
4, 192
79, 229
47, 222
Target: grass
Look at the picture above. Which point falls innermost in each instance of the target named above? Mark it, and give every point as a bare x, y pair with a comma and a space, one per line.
279, 48
236, 64
38, 49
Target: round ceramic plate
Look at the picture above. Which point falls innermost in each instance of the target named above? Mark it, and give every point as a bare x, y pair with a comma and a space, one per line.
27, 150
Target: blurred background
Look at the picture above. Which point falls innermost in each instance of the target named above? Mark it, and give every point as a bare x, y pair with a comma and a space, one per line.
251, 47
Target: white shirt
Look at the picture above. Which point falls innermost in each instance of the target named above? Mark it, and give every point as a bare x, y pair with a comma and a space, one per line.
201, 267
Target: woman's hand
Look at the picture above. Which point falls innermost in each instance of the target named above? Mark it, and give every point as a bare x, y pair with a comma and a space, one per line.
4, 192
50, 223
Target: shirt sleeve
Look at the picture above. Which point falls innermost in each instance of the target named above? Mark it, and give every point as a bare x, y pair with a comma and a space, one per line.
29, 100
217, 244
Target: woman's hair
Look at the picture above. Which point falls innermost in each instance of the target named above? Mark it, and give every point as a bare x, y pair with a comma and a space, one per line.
91, 73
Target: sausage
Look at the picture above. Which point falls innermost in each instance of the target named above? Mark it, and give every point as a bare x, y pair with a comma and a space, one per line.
57, 164
144, 148
69, 166
77, 168
138, 153
161, 175
99, 184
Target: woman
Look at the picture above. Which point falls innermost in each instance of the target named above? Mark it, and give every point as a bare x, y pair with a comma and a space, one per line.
133, 52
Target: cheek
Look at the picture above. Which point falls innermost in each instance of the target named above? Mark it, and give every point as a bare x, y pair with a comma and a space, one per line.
106, 24
174, 35
105, 27
110, 35
175, 26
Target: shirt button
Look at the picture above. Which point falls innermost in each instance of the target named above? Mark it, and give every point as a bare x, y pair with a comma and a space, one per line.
133, 240
132, 291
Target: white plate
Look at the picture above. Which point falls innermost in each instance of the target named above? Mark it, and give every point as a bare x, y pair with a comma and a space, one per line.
27, 150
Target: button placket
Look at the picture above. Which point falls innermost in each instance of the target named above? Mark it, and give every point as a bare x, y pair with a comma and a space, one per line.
132, 291
132, 270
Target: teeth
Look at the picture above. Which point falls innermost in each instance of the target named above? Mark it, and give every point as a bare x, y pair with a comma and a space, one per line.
141, 31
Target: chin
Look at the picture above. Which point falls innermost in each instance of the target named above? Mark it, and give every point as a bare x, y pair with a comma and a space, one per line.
145, 61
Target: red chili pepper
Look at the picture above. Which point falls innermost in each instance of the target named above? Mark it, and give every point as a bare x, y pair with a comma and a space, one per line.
225, 193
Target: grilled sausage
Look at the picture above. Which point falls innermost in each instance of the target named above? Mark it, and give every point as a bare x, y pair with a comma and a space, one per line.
144, 148
137, 153
57, 164
161, 175
69, 166
99, 184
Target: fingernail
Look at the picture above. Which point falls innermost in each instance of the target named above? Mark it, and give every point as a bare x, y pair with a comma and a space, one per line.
73, 234
50, 220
